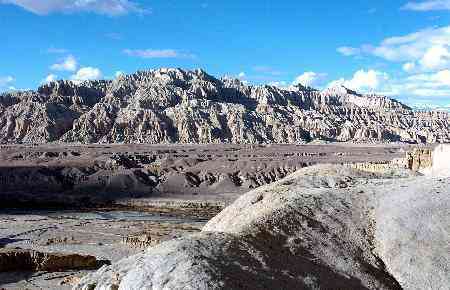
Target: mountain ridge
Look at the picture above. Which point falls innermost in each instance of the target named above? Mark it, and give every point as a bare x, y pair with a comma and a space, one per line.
180, 106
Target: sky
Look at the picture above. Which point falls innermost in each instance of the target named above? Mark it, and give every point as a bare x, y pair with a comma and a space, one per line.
398, 48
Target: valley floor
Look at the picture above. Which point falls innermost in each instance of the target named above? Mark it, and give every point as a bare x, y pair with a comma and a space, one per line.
120, 199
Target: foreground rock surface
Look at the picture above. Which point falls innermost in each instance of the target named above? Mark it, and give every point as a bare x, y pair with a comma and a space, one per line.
46, 237
327, 227
178, 106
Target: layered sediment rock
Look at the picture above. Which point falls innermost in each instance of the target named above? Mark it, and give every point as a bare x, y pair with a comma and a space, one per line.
327, 227
140, 240
419, 158
30, 260
178, 106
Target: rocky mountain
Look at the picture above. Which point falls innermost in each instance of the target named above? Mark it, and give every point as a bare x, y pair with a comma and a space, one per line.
179, 106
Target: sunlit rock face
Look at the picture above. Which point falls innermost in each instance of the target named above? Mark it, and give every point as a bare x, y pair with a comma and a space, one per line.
323, 227
180, 106
441, 161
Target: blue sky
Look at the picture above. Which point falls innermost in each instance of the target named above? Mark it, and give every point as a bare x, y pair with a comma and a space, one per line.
398, 48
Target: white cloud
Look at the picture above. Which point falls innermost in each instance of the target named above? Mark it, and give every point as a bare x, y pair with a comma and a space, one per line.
439, 79
106, 7
409, 66
432, 86
50, 78
68, 64
364, 81
157, 53
348, 51
436, 57
428, 5
87, 73
309, 79
430, 48
428, 88
241, 75
443, 77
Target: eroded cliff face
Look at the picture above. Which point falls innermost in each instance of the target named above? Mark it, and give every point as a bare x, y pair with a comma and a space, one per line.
31, 260
178, 106
419, 158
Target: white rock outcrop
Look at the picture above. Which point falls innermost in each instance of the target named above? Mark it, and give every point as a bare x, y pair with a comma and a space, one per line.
441, 161
323, 227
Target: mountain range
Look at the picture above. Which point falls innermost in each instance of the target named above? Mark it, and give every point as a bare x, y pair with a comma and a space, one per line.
179, 106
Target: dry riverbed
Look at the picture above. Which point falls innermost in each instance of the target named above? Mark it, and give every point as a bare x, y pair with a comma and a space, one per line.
107, 235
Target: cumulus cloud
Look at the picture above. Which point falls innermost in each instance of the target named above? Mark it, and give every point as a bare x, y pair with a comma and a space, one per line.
429, 5
363, 80
409, 66
371, 79
439, 79
429, 48
434, 87
157, 53
106, 7
436, 57
68, 64
87, 73
309, 79
241, 75
50, 78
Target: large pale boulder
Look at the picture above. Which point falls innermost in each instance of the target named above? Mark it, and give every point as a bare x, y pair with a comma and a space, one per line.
441, 161
323, 227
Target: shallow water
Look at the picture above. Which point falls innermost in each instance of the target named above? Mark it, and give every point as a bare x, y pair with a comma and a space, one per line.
108, 216
124, 215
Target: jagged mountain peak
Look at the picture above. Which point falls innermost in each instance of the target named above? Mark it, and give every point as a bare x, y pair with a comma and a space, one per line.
371, 100
170, 105
339, 90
